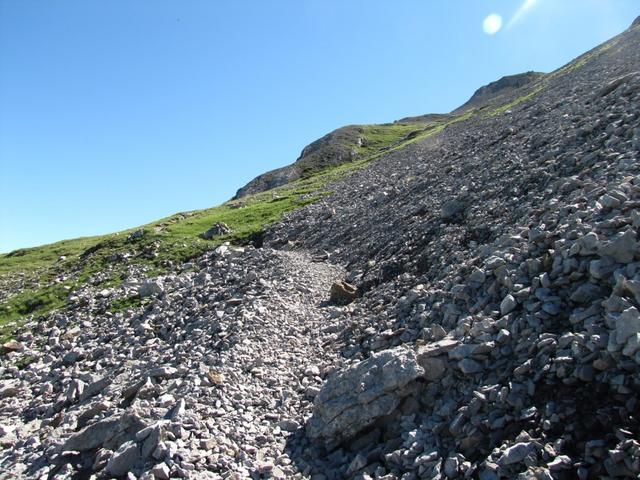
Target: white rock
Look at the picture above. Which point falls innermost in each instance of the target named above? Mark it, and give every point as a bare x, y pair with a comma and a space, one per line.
507, 305
626, 325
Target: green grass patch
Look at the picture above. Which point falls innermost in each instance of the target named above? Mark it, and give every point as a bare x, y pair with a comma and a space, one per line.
522, 99
121, 304
24, 361
376, 138
29, 259
37, 302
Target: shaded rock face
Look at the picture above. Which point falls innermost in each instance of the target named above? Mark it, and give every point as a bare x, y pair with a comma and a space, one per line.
343, 293
92, 436
110, 433
333, 149
504, 85
269, 180
356, 397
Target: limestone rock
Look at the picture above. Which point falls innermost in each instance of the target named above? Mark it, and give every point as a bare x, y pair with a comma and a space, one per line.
123, 459
12, 346
92, 436
507, 305
626, 325
354, 398
216, 230
161, 471
434, 367
622, 248
451, 208
149, 289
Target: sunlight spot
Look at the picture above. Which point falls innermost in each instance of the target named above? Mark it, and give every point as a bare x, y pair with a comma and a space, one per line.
492, 24
521, 12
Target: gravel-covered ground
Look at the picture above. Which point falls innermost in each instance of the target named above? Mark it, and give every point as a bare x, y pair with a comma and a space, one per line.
217, 369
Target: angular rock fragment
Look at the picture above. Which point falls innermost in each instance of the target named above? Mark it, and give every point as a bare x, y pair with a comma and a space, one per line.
434, 367
123, 459
451, 208
161, 471
622, 248
356, 397
217, 230
507, 305
517, 453
149, 289
92, 436
343, 293
12, 346
627, 325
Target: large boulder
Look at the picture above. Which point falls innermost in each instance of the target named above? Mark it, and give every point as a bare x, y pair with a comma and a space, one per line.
92, 436
217, 230
150, 289
109, 433
356, 397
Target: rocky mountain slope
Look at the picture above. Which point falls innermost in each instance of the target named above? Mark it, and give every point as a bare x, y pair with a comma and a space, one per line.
344, 145
500, 87
493, 330
357, 142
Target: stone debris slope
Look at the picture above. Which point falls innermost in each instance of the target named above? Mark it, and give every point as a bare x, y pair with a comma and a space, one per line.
494, 334
506, 254
210, 376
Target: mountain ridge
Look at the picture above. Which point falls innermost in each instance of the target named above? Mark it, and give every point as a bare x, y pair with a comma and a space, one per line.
342, 145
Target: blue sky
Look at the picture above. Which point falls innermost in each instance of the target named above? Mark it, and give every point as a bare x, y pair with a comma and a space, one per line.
114, 113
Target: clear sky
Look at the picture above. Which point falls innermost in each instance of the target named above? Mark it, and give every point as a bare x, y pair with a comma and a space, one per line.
114, 113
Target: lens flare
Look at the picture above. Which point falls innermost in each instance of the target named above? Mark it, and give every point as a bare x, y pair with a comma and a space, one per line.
492, 24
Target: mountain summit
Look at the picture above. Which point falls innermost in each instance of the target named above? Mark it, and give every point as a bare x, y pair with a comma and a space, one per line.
353, 142
446, 296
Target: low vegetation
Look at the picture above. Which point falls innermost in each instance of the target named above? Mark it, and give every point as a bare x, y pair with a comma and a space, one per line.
121, 304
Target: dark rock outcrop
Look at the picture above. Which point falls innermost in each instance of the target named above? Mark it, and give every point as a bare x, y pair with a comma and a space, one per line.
502, 86
333, 149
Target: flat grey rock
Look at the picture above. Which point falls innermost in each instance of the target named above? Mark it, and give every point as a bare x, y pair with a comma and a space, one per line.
354, 398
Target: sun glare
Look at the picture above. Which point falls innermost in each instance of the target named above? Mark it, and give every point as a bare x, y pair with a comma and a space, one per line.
492, 24
521, 12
